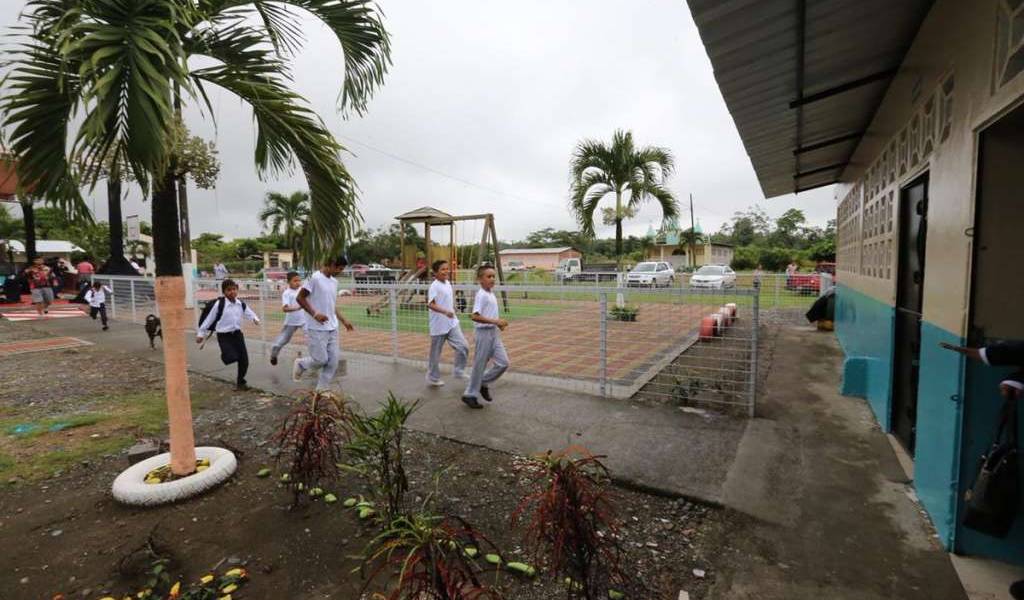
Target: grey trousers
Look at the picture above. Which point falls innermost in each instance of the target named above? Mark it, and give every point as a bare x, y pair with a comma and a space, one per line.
488, 347
283, 338
323, 355
458, 343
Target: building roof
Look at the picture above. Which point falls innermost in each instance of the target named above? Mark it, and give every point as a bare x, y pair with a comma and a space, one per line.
47, 246
424, 212
536, 250
802, 79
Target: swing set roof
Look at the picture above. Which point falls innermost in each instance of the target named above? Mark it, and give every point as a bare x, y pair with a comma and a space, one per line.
424, 213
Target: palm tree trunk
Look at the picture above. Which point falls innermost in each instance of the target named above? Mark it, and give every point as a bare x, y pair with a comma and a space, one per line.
28, 215
618, 228
117, 264
170, 295
183, 229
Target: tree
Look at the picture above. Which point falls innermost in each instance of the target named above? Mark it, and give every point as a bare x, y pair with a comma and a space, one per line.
598, 170
787, 228
111, 76
197, 159
286, 216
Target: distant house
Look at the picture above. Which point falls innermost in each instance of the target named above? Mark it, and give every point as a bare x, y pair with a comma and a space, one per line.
284, 259
536, 258
45, 249
669, 245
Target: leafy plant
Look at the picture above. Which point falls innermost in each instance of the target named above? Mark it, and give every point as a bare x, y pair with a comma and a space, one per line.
432, 555
570, 518
625, 313
312, 438
375, 452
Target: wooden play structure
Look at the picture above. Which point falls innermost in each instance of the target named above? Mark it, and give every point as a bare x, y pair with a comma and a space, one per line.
415, 262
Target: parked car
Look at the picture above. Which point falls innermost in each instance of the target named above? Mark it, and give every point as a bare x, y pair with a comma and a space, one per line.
653, 274
810, 283
515, 266
376, 267
357, 268
713, 277
274, 273
574, 269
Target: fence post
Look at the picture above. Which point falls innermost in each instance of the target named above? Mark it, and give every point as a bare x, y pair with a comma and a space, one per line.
603, 345
777, 299
131, 288
393, 301
113, 301
754, 324
263, 313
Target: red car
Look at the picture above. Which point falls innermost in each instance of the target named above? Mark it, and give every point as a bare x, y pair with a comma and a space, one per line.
810, 283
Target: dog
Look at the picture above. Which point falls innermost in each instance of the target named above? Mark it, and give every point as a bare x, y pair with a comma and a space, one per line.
153, 329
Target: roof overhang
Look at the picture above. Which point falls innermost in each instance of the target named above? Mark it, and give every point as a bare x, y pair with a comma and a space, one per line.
803, 79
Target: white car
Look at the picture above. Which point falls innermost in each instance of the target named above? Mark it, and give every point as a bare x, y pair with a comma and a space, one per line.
515, 265
713, 277
653, 274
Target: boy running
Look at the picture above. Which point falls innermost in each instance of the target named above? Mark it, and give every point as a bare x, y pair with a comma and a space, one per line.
318, 297
488, 340
444, 325
96, 297
226, 319
293, 317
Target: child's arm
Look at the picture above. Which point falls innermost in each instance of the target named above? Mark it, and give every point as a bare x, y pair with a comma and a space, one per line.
251, 315
434, 306
499, 323
108, 290
206, 325
290, 308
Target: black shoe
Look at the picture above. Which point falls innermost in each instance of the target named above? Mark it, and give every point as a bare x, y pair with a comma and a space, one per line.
105, 328
1017, 590
273, 360
471, 402
486, 393
242, 386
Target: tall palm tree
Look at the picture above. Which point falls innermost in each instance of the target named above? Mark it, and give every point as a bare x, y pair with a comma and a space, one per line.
286, 215
634, 175
112, 76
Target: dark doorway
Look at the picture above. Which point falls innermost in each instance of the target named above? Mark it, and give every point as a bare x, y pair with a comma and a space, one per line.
913, 219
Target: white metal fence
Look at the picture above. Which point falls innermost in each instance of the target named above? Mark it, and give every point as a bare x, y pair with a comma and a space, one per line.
670, 345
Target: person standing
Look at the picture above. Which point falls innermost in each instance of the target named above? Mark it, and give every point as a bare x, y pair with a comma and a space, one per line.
40, 283
444, 326
294, 320
488, 340
85, 267
318, 297
96, 297
220, 271
758, 275
226, 319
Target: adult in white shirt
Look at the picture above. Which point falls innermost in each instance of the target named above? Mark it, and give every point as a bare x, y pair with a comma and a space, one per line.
318, 297
444, 325
226, 317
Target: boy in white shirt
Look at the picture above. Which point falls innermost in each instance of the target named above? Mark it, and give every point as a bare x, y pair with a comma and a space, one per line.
226, 319
97, 299
318, 297
294, 320
488, 340
444, 325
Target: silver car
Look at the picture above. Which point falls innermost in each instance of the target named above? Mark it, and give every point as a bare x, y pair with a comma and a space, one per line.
651, 274
713, 277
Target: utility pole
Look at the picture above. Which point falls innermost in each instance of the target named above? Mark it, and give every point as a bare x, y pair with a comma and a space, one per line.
693, 235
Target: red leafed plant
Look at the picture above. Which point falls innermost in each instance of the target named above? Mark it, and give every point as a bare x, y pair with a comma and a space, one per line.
432, 555
569, 517
311, 439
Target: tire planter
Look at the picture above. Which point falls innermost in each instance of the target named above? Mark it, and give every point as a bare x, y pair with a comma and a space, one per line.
732, 308
707, 328
726, 316
130, 486
719, 323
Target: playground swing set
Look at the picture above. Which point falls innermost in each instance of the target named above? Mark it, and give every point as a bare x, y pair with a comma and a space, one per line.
415, 262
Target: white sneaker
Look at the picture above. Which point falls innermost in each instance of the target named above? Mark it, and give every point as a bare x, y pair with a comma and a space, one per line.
462, 375
297, 370
434, 382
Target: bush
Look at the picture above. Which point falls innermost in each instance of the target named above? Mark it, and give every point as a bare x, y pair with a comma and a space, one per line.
771, 258
311, 440
624, 313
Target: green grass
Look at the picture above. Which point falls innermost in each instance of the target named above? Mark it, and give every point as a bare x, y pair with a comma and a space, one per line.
119, 419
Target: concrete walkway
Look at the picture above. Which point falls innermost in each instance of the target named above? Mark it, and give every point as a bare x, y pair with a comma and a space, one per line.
661, 448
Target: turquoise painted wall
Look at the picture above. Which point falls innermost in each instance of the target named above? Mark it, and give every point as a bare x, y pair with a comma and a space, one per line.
981, 408
865, 328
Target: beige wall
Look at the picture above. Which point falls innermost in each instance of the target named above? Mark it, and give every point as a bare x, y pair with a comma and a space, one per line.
545, 261
719, 255
949, 70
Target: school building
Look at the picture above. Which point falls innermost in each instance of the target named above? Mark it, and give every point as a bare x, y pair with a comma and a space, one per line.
668, 244
915, 111
537, 258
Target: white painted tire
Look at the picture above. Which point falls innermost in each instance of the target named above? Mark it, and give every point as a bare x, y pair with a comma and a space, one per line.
130, 486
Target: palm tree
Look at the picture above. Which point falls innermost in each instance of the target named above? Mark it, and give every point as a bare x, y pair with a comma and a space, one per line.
286, 215
634, 175
111, 76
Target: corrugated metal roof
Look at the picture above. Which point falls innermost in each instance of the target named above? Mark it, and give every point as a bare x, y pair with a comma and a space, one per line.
766, 54
536, 250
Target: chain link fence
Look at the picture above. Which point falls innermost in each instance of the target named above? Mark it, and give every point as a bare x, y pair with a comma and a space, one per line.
676, 344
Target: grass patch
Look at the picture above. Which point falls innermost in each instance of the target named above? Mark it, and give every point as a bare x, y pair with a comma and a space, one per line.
118, 420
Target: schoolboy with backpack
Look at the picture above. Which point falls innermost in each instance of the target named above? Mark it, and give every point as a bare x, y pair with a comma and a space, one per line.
224, 316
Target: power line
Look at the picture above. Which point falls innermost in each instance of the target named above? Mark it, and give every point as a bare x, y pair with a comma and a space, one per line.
440, 173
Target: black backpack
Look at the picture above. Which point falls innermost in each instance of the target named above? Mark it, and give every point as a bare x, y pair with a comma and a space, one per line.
993, 501
220, 311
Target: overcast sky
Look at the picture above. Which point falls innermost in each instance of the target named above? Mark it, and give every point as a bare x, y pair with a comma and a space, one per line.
483, 106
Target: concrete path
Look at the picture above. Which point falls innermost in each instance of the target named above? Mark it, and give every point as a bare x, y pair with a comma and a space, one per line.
836, 517
660, 448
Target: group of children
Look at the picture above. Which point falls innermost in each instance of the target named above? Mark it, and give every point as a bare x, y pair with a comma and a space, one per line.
312, 307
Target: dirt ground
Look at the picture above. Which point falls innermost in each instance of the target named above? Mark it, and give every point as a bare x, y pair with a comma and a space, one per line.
88, 404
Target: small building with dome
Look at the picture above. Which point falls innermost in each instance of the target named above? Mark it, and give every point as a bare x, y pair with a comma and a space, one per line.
669, 244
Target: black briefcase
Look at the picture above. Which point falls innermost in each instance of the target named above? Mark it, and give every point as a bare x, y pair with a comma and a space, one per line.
993, 501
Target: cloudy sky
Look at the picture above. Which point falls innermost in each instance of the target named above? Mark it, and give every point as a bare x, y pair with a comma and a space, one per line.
483, 106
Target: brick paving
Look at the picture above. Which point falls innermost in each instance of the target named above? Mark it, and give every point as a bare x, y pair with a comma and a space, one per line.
39, 345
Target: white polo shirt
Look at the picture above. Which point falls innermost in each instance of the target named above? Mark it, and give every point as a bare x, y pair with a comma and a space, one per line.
290, 299
485, 305
441, 293
323, 298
